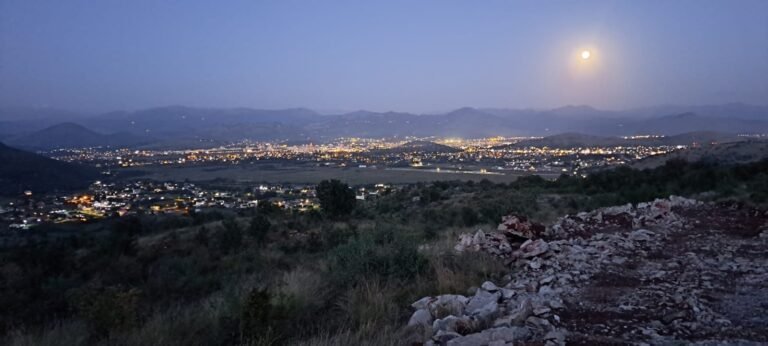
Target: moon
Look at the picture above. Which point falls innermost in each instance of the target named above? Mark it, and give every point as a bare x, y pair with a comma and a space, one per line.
585, 55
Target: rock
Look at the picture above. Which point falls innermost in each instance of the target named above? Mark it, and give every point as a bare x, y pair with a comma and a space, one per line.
422, 303
622, 209
669, 318
448, 304
555, 304
507, 293
510, 334
541, 311
421, 317
486, 337
538, 323
477, 339
535, 264
442, 337
489, 286
532, 248
641, 235
520, 226
557, 336
465, 243
504, 321
479, 237
547, 291
547, 279
521, 312
453, 324
482, 301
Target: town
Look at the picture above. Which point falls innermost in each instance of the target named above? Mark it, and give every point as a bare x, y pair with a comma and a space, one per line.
120, 197
491, 154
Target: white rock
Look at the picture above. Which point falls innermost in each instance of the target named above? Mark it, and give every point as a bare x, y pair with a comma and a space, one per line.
532, 248
422, 303
482, 301
489, 286
448, 304
507, 293
421, 317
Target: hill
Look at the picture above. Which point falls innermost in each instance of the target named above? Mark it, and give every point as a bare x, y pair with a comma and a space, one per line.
699, 138
71, 135
575, 140
725, 153
23, 170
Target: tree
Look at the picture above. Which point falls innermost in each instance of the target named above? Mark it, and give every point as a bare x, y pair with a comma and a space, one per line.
231, 237
336, 198
259, 227
469, 216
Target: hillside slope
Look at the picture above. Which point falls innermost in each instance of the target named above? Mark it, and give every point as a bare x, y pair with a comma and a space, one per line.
71, 135
21, 170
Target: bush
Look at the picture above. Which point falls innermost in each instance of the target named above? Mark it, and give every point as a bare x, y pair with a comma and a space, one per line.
259, 227
112, 309
369, 258
336, 198
230, 238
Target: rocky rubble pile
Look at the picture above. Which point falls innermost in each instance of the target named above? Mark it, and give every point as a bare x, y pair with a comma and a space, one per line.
506, 241
652, 273
658, 213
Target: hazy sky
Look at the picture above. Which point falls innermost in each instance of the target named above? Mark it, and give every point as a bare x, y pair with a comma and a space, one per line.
418, 56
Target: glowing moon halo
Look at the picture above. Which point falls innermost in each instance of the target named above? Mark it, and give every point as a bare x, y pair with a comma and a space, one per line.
585, 55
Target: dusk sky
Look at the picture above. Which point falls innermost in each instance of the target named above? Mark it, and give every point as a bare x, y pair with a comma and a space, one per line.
423, 56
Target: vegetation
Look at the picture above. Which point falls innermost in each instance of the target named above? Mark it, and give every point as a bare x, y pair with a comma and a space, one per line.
341, 276
336, 198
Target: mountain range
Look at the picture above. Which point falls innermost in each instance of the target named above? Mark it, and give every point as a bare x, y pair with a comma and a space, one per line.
169, 126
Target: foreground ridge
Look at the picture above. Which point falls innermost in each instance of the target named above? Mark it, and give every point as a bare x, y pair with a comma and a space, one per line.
668, 271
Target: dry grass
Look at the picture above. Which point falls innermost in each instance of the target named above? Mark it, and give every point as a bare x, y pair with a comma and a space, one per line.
455, 273
66, 333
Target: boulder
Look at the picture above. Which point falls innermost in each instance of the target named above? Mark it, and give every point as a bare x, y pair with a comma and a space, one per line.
442, 337
421, 317
453, 324
556, 336
422, 303
489, 286
521, 311
533, 248
447, 305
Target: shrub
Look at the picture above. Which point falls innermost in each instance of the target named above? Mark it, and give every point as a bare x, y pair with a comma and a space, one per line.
231, 237
336, 198
368, 257
259, 227
111, 309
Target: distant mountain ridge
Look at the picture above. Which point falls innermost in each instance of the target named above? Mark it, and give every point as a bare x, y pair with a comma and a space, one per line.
187, 124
